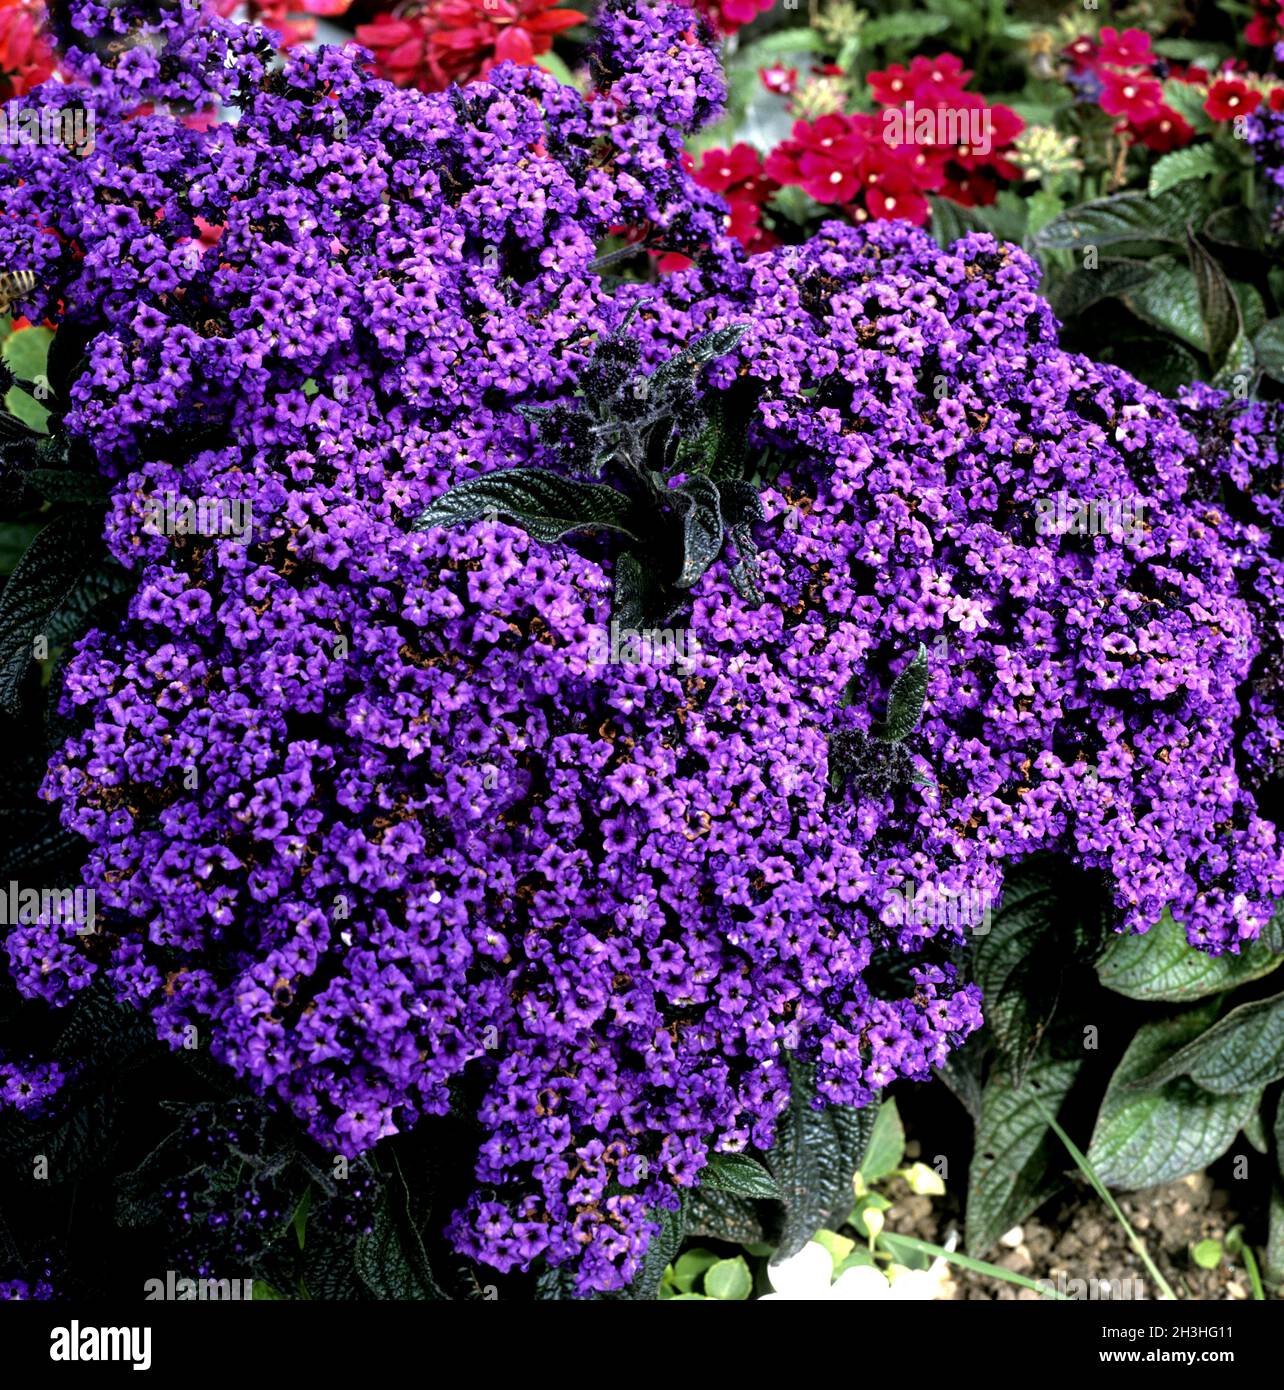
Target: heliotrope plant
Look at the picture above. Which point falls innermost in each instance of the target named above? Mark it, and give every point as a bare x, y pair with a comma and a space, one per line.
368, 814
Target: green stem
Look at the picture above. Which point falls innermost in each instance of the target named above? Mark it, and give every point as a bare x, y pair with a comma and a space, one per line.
1102, 1191
890, 1240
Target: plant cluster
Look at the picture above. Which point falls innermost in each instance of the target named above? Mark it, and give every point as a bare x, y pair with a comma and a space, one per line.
371, 823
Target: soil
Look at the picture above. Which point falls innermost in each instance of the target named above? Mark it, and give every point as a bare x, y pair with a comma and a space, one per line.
1076, 1237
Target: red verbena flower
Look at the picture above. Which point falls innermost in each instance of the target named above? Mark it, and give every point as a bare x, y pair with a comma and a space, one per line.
1127, 50
449, 41
1229, 97
1127, 94
780, 80
1169, 130
26, 58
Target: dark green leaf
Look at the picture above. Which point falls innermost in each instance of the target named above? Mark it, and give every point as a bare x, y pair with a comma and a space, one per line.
1145, 1137
381, 1264
1126, 217
1218, 306
660, 1254
1255, 1130
545, 505
723, 1216
698, 501
44, 580
67, 485
1234, 226
704, 349
1015, 1167
718, 450
1269, 347
905, 702
951, 220
1081, 289
1169, 299
1275, 1232
740, 1175
1242, 1052
1162, 965
1194, 162
329, 1267
628, 606
1037, 934
814, 1159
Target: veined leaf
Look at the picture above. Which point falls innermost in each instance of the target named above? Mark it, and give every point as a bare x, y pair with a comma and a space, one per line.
1144, 1137
814, 1159
699, 502
739, 1175
905, 701
1269, 347
1083, 288
1218, 306
44, 580
1015, 1165
1242, 1052
1125, 217
1161, 965
544, 504
1194, 162
716, 343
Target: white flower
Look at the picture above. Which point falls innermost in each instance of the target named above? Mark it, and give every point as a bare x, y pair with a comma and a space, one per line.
809, 1276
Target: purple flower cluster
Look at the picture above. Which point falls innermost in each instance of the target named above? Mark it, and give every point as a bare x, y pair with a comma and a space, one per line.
369, 812
18, 1290
29, 1086
1264, 131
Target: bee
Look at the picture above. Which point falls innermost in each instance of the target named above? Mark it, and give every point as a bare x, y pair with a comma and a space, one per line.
15, 285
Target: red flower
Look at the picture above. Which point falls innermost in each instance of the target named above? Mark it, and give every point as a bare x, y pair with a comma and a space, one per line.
782, 81
1230, 98
460, 40
1082, 53
886, 206
736, 173
827, 180
727, 16
1137, 98
1167, 131
1264, 28
972, 189
930, 81
937, 81
1127, 50
402, 51
891, 87
26, 59
1275, 99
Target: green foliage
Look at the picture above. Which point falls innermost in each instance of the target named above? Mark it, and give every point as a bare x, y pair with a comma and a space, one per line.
1153, 1134
739, 1175
1160, 966
1014, 1168
813, 1161
678, 463
61, 574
